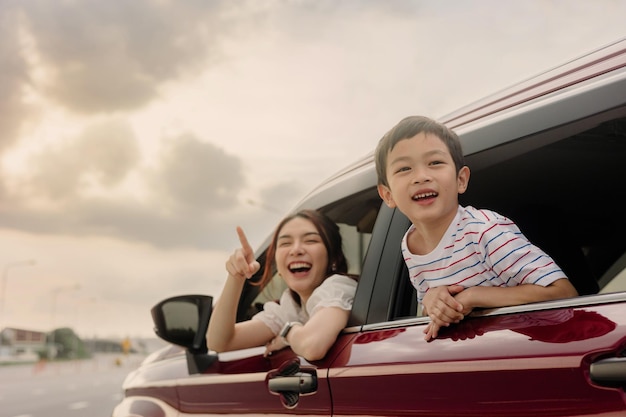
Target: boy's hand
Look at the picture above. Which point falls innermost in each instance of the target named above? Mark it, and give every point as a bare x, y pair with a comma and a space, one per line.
442, 308
467, 299
431, 331
242, 264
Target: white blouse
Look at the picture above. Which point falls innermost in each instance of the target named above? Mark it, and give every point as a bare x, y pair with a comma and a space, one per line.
335, 291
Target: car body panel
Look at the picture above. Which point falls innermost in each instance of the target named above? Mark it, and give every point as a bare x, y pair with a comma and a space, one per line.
236, 384
476, 361
464, 370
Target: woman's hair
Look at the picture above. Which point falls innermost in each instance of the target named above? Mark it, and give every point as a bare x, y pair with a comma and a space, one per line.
329, 232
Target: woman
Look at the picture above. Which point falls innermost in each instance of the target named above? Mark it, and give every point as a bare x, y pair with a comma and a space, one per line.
306, 252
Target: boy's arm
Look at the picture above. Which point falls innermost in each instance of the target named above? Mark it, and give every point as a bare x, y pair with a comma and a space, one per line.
441, 306
488, 297
442, 312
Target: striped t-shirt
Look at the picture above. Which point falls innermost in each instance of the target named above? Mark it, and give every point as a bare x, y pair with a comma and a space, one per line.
480, 247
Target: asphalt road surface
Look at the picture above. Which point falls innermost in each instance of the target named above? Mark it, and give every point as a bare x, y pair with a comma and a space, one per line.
86, 388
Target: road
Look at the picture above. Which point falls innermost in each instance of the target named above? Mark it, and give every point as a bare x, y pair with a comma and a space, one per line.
86, 388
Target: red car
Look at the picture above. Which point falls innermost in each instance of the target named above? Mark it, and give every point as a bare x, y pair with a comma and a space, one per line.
550, 153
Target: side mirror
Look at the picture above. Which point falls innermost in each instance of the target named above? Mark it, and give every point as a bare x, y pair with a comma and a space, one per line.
183, 320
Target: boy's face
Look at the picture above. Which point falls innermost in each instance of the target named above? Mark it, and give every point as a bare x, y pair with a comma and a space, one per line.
422, 178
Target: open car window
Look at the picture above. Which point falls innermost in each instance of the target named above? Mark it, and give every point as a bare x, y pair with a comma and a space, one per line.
552, 184
565, 192
563, 188
614, 279
355, 216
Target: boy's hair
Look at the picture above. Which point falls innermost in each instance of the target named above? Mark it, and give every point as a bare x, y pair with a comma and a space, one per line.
408, 128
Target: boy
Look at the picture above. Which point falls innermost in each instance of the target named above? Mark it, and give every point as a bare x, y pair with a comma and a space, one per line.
458, 258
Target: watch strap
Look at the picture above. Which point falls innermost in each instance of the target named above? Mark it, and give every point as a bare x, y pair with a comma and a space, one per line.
286, 329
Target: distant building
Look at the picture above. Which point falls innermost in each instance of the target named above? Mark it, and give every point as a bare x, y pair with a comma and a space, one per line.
21, 345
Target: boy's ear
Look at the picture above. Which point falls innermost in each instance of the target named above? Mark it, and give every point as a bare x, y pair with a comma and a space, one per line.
463, 179
385, 193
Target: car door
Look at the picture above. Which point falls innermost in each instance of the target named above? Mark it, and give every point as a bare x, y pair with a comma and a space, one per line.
557, 361
239, 383
562, 357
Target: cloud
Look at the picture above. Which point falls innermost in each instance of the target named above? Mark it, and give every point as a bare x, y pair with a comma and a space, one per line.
102, 61
198, 176
82, 186
276, 196
299, 90
100, 158
13, 78
111, 56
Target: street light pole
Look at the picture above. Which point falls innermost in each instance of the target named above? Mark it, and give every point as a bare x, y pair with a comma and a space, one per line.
5, 277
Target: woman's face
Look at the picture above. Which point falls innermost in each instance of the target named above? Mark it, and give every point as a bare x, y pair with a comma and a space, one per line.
301, 257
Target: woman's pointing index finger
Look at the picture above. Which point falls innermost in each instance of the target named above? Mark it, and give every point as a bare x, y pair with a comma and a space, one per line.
245, 245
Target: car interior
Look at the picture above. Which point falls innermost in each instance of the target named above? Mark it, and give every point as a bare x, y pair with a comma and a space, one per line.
565, 196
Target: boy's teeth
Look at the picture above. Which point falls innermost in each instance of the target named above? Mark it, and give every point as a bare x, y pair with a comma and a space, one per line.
418, 196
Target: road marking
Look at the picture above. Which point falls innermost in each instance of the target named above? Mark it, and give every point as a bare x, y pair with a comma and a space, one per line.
78, 405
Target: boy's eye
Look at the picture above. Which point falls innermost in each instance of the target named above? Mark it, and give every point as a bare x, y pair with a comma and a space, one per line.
403, 169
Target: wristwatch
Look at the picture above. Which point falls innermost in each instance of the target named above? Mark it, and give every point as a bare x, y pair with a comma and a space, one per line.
286, 329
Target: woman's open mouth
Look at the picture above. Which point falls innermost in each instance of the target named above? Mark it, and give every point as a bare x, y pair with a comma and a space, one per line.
299, 267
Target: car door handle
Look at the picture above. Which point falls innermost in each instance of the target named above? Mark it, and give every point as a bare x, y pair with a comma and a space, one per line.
301, 382
609, 372
291, 380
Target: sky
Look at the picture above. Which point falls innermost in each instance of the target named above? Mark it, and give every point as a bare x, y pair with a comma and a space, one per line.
136, 135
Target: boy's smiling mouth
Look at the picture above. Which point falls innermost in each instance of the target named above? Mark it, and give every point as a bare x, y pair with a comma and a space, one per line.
423, 196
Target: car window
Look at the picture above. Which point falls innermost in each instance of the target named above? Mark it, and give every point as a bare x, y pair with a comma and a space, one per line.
355, 215
616, 284
614, 280
564, 189
554, 185
565, 196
